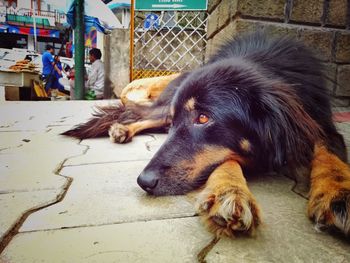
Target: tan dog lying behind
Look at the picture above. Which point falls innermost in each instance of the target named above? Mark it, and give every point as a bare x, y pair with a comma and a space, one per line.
147, 90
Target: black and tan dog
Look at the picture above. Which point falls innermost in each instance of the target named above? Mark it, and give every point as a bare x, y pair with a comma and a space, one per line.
259, 105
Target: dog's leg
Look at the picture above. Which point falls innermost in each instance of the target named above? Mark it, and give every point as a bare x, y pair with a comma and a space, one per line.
137, 118
120, 133
329, 203
226, 205
145, 91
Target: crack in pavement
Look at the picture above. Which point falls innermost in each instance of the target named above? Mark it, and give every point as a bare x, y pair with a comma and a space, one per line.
107, 162
205, 250
15, 229
4, 242
112, 223
153, 138
6, 239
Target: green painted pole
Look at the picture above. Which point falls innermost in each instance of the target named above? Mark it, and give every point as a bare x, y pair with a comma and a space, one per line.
79, 50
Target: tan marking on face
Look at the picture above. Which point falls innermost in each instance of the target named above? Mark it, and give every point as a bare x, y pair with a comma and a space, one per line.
189, 105
209, 156
245, 145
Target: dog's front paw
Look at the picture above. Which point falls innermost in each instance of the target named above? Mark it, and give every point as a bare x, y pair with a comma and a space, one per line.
119, 133
331, 210
229, 212
329, 200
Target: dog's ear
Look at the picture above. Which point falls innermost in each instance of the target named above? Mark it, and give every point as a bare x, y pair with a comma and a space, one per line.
285, 130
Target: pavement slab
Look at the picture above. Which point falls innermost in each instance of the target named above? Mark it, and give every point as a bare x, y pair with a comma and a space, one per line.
101, 150
33, 165
106, 194
31, 154
163, 241
15, 205
10, 141
287, 235
35, 116
78, 201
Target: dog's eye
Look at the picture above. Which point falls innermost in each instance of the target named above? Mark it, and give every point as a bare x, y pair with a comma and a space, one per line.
202, 119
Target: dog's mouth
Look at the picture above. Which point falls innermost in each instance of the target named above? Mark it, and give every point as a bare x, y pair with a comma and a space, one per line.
176, 184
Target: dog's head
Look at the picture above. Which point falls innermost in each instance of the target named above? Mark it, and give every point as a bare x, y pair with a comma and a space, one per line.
229, 110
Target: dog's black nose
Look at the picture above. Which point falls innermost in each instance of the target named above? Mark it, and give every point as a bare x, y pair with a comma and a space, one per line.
147, 181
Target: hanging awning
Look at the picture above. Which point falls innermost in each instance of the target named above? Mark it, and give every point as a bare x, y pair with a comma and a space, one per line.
117, 4
96, 14
3, 28
30, 31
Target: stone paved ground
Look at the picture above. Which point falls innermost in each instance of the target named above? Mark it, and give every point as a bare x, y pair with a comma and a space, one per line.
64, 200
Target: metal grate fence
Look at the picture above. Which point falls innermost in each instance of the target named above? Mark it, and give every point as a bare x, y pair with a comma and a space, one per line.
166, 42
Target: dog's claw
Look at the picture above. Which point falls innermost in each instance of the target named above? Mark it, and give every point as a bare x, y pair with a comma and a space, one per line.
219, 220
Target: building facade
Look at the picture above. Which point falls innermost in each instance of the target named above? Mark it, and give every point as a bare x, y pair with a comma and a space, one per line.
30, 24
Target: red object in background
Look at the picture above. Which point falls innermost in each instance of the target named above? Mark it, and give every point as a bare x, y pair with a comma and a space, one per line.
69, 49
44, 32
71, 74
24, 30
341, 116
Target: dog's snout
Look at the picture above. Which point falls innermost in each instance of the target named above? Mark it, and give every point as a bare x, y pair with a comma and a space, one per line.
147, 181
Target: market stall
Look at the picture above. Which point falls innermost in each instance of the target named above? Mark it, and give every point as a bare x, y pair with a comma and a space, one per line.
17, 81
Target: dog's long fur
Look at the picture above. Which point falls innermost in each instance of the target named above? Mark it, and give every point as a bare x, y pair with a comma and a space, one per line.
265, 104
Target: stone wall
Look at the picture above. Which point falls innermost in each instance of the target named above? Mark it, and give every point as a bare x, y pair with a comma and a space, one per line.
117, 61
323, 25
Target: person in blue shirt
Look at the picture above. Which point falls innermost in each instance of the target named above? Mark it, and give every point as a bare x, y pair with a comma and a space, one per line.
49, 69
58, 76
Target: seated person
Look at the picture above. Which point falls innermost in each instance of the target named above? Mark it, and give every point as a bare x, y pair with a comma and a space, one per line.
96, 77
